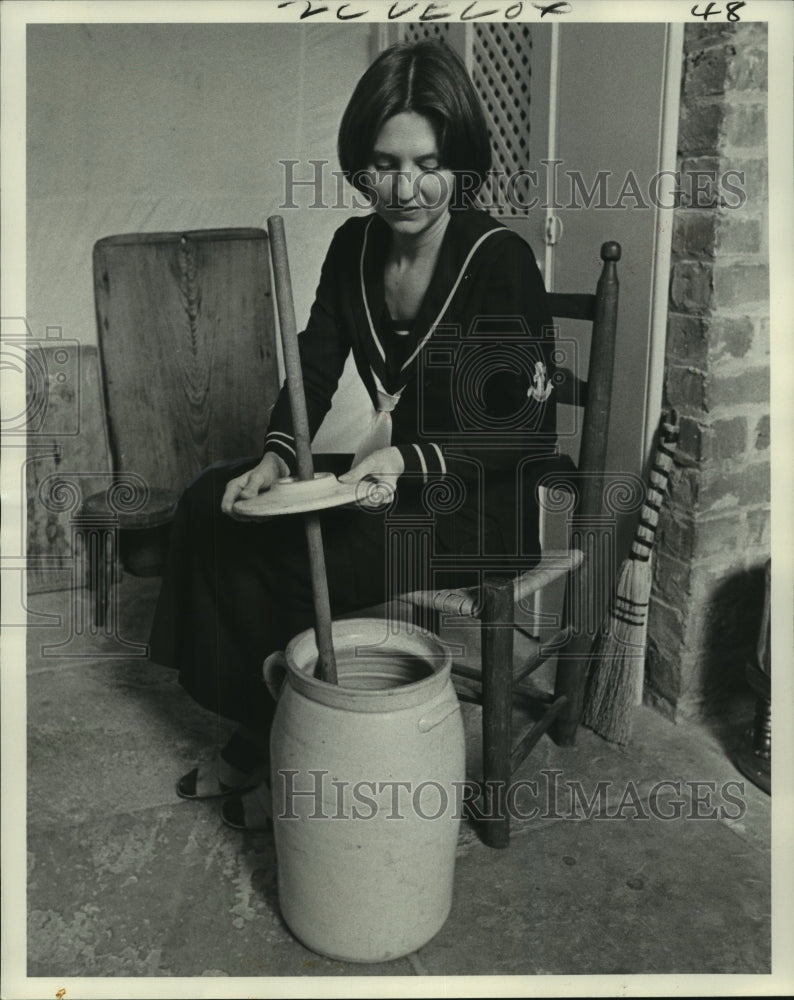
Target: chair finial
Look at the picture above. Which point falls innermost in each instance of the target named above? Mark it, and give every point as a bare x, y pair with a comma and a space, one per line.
610, 251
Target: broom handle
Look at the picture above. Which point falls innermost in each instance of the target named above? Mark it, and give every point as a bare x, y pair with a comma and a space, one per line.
303, 452
660, 473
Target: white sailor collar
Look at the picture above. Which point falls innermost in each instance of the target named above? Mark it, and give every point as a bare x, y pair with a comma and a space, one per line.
465, 235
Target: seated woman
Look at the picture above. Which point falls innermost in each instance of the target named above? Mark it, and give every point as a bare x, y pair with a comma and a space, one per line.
445, 312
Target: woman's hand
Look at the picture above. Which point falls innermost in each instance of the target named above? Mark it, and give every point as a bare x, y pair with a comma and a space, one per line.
252, 483
378, 475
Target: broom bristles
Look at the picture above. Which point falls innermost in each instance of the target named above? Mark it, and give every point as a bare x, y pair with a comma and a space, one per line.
616, 684
615, 687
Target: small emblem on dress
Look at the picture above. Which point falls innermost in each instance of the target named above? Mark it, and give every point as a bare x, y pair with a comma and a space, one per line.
541, 387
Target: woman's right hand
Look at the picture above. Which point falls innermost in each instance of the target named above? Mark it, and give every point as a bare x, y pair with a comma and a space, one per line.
254, 482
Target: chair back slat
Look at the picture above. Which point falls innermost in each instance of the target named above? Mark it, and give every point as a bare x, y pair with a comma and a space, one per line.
572, 305
571, 390
187, 343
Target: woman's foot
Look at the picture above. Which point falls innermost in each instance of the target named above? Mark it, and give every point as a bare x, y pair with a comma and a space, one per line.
250, 811
241, 765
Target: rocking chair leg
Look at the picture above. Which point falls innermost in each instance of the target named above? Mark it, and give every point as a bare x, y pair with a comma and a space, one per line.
574, 659
570, 683
497, 675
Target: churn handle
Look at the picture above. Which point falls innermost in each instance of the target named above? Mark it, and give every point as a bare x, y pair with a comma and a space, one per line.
275, 672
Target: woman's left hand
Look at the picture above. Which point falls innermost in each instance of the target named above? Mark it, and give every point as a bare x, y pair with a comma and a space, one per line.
378, 475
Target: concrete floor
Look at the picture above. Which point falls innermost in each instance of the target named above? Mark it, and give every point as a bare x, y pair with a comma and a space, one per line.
125, 879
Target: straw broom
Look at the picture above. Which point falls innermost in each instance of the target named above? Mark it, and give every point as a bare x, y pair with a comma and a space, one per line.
615, 684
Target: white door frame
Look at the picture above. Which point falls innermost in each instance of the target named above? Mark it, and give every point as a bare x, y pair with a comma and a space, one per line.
668, 151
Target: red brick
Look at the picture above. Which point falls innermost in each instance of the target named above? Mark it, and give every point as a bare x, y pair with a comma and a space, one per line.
744, 182
758, 529
738, 285
737, 233
664, 642
691, 286
662, 674
672, 614
684, 487
730, 438
694, 232
705, 71
752, 386
717, 536
730, 335
726, 181
699, 232
687, 389
707, 34
702, 164
687, 339
699, 181
663, 661
670, 578
694, 443
700, 128
747, 486
745, 125
751, 33
676, 536
747, 69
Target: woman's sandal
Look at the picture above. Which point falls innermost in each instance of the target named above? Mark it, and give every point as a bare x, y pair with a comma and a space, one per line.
238, 767
250, 811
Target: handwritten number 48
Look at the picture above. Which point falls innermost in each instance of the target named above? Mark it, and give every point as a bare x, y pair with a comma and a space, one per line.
731, 10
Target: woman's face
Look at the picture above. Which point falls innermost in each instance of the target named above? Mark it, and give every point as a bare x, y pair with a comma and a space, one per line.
411, 189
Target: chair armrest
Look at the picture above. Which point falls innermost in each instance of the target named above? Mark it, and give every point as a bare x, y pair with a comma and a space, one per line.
553, 565
463, 603
467, 602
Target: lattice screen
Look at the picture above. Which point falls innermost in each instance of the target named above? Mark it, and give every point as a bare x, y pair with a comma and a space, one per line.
501, 71
500, 57
420, 32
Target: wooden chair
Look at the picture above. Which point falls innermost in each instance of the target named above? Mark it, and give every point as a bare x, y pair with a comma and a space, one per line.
498, 684
187, 346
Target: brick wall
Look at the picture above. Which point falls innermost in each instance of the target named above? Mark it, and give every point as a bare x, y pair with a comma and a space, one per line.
714, 533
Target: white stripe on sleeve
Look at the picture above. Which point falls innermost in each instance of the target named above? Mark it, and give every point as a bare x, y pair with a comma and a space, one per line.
422, 462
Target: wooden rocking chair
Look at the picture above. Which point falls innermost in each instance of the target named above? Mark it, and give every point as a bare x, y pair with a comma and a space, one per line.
500, 683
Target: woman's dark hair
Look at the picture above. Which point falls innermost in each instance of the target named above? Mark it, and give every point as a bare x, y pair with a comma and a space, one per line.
430, 79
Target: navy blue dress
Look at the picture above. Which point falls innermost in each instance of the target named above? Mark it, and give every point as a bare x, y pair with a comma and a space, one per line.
474, 424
